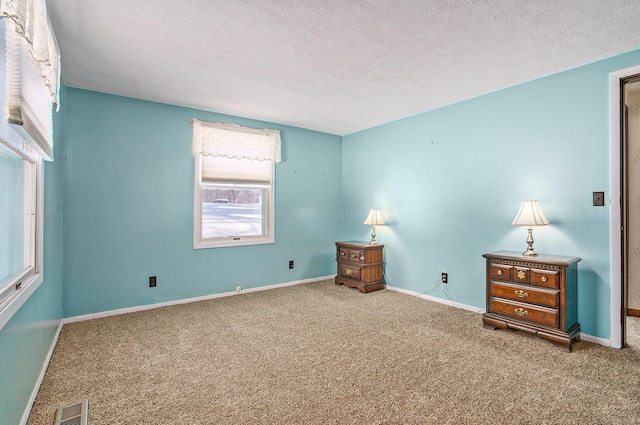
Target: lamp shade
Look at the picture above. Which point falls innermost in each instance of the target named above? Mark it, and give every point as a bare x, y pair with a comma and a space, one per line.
374, 218
530, 215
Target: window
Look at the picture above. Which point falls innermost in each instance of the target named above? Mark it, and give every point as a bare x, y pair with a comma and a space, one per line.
234, 184
29, 70
20, 226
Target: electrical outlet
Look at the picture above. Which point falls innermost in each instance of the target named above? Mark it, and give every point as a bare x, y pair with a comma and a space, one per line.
290, 264
152, 281
444, 278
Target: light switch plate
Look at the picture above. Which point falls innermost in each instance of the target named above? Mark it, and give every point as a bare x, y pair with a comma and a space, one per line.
598, 199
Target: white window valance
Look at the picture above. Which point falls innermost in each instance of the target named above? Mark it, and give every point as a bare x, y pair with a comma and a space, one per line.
235, 141
32, 23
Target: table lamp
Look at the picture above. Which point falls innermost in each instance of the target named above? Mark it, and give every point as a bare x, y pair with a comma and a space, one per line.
373, 219
530, 215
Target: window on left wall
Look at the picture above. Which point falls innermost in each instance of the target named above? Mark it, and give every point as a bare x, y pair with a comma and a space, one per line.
29, 75
20, 224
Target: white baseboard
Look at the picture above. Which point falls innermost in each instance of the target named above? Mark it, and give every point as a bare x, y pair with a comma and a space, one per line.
595, 339
436, 299
187, 300
43, 371
584, 337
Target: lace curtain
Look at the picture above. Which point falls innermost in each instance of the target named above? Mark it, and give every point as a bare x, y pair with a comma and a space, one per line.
234, 141
32, 24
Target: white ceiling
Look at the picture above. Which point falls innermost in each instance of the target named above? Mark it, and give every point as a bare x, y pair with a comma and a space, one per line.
336, 66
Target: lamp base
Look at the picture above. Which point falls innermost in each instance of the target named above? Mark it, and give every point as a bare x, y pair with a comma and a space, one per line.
530, 252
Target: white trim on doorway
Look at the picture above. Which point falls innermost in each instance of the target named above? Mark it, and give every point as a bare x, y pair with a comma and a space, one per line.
615, 243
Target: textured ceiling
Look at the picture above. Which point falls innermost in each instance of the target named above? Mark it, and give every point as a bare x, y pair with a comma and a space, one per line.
336, 66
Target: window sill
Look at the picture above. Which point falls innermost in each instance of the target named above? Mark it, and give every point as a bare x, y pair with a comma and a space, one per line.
19, 298
231, 242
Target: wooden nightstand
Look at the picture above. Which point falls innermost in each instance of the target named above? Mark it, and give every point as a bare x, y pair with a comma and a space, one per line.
538, 295
359, 265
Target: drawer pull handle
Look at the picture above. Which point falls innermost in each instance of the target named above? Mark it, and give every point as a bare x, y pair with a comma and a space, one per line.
544, 278
343, 254
353, 255
521, 312
348, 272
521, 275
522, 294
500, 272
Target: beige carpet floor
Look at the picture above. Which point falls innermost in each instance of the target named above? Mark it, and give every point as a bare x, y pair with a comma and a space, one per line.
323, 354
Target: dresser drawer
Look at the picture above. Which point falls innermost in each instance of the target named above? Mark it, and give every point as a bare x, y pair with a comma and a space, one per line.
525, 275
546, 278
521, 274
526, 312
526, 294
351, 255
349, 272
501, 272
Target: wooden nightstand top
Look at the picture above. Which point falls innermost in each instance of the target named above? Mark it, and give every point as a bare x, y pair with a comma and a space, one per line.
359, 244
542, 258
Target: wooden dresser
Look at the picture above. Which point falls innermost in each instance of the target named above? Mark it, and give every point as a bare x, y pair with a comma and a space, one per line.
538, 295
360, 265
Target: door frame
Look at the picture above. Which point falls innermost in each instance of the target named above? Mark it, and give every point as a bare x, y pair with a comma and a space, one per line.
617, 292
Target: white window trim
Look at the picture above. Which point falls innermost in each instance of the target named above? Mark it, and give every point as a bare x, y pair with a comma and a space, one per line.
199, 243
29, 286
26, 124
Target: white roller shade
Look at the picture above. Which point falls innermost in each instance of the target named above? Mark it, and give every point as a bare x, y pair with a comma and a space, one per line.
221, 169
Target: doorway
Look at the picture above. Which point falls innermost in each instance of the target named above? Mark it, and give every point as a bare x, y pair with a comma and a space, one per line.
618, 291
630, 208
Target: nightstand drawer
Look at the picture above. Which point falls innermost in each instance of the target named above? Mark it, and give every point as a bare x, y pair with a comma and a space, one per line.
521, 274
501, 272
525, 294
525, 275
525, 312
355, 256
349, 272
351, 255
546, 278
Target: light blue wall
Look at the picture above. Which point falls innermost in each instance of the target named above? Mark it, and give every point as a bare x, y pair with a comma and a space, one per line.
26, 339
129, 207
450, 181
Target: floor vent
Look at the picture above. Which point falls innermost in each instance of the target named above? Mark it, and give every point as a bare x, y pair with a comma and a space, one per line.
75, 414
